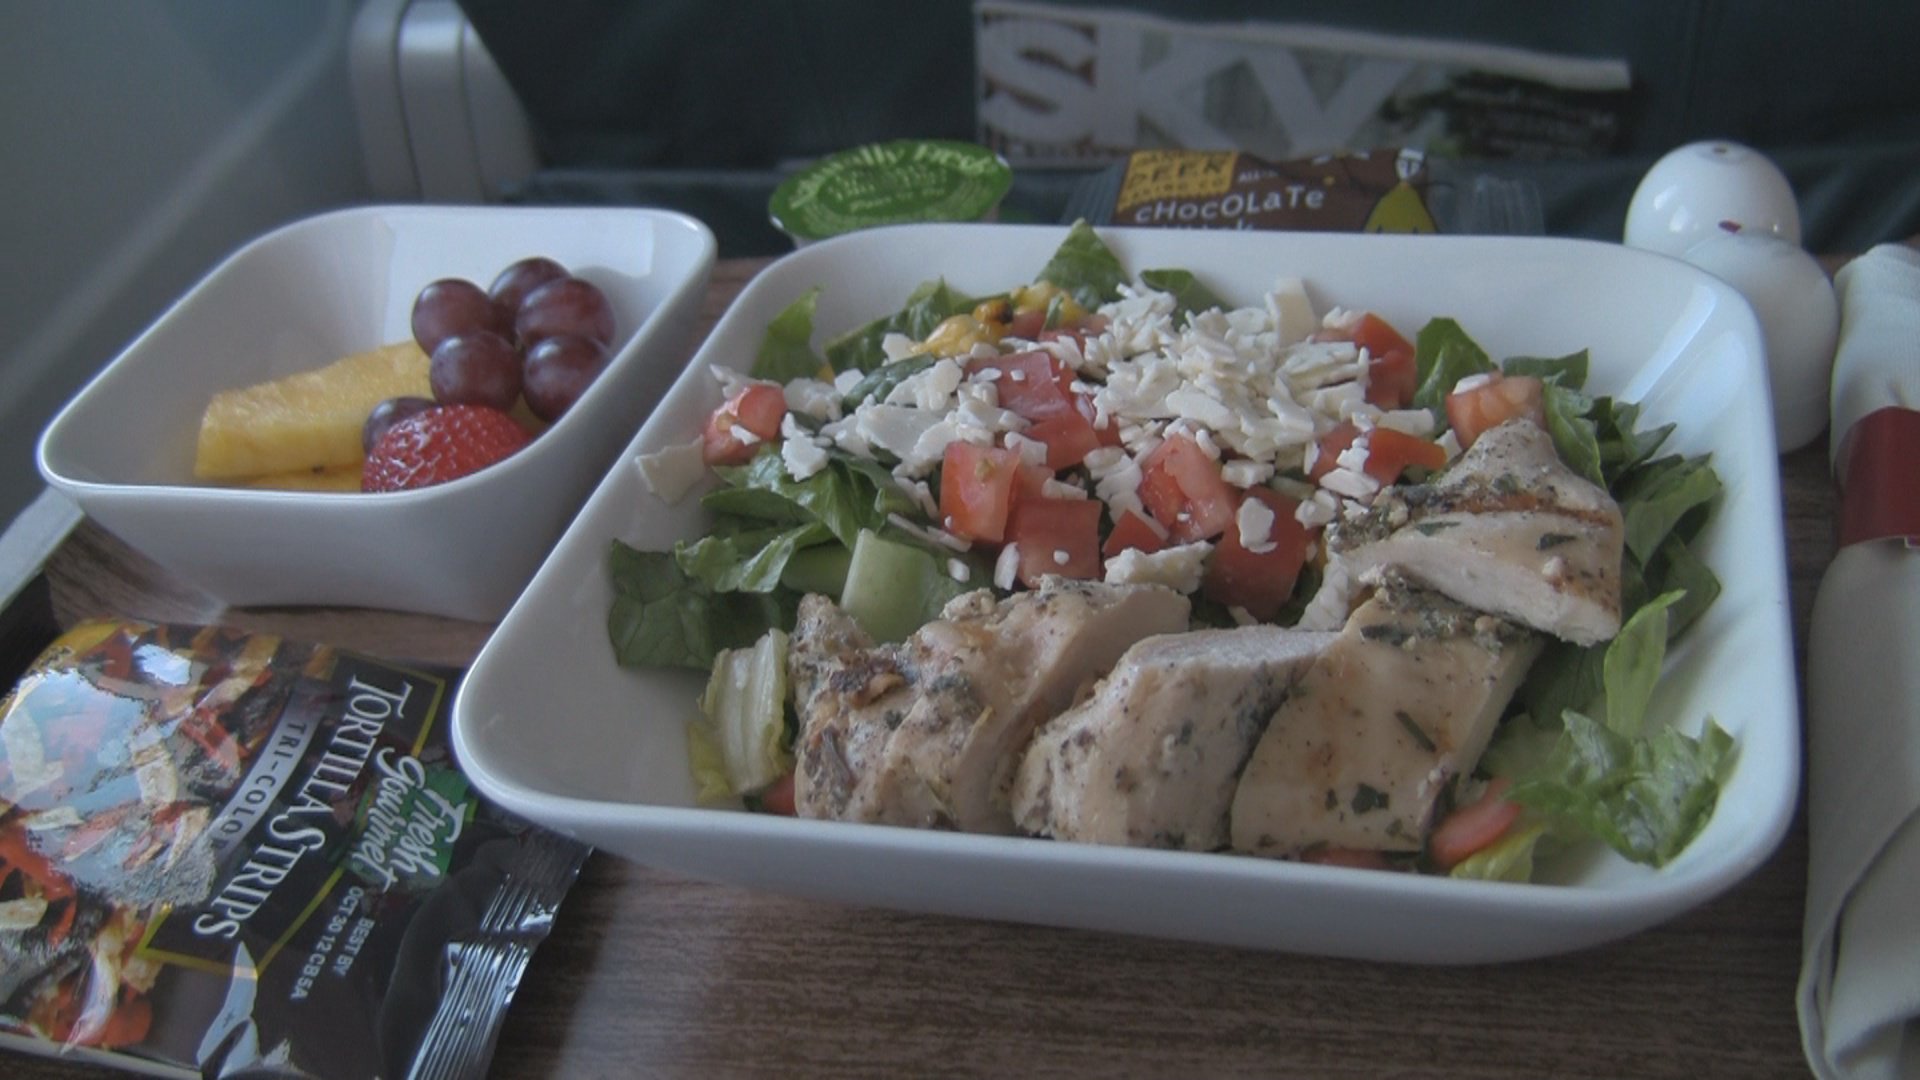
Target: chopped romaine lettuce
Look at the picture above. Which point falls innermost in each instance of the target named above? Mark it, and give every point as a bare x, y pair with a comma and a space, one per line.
1646, 797
1569, 371
660, 617
749, 561
1509, 858
1632, 665
1443, 354
1086, 268
1189, 294
745, 713
848, 495
929, 305
1658, 497
786, 353
1575, 437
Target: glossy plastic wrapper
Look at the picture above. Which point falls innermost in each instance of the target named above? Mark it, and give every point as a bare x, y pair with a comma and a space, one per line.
226, 853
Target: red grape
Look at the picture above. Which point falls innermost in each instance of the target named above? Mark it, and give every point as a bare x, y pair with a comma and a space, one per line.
450, 307
516, 281
388, 413
480, 368
567, 306
559, 370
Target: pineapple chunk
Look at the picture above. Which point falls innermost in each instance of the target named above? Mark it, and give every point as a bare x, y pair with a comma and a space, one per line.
331, 478
307, 421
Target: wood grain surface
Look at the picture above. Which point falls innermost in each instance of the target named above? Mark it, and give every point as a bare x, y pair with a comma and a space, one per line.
647, 974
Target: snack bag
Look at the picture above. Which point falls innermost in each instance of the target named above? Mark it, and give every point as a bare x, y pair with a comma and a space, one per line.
224, 852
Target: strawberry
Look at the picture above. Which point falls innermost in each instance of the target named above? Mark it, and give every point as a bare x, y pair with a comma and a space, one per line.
441, 444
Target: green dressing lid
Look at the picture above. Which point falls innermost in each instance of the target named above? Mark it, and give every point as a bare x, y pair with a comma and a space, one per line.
890, 183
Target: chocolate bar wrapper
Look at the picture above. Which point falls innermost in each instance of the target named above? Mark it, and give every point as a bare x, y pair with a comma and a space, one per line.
1386, 190
227, 853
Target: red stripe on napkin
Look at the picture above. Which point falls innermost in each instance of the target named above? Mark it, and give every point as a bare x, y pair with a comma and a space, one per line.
1880, 478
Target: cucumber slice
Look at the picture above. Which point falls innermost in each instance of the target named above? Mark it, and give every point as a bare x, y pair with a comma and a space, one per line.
745, 705
894, 588
818, 569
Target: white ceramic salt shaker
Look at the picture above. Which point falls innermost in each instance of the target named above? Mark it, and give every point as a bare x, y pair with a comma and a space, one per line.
1799, 322
1701, 188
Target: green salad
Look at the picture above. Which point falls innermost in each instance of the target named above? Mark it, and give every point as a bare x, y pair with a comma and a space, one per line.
1137, 429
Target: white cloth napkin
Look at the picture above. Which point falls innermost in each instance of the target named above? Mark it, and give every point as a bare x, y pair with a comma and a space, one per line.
1859, 993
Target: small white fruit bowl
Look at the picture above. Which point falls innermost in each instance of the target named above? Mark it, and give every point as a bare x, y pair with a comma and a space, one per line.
313, 291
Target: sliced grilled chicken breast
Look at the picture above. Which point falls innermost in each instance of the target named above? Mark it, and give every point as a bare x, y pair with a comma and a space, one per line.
1151, 759
930, 731
1508, 529
1404, 699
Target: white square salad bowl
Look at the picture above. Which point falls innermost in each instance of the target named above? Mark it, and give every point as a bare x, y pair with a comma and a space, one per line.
313, 291
550, 727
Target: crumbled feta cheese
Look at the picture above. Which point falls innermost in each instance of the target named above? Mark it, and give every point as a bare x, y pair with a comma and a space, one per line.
1031, 451
1060, 489
933, 536
1318, 510
918, 491
803, 456
1473, 382
1354, 457
1116, 478
1255, 522
672, 471
1450, 442
1006, 567
1329, 607
1060, 557
729, 379
844, 382
1244, 473
899, 346
1291, 310
1354, 485
959, 571
1240, 616
893, 428
811, 397
931, 389
1418, 422
1179, 567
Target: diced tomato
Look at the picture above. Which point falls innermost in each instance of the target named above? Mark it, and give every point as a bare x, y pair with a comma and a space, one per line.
758, 409
1326, 457
1069, 438
1031, 483
1358, 858
1494, 402
1032, 384
976, 490
1472, 827
1392, 376
1182, 487
1056, 536
778, 798
1259, 581
1389, 452
1134, 531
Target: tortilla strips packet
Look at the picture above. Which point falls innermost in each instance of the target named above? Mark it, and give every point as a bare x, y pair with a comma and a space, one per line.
225, 853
